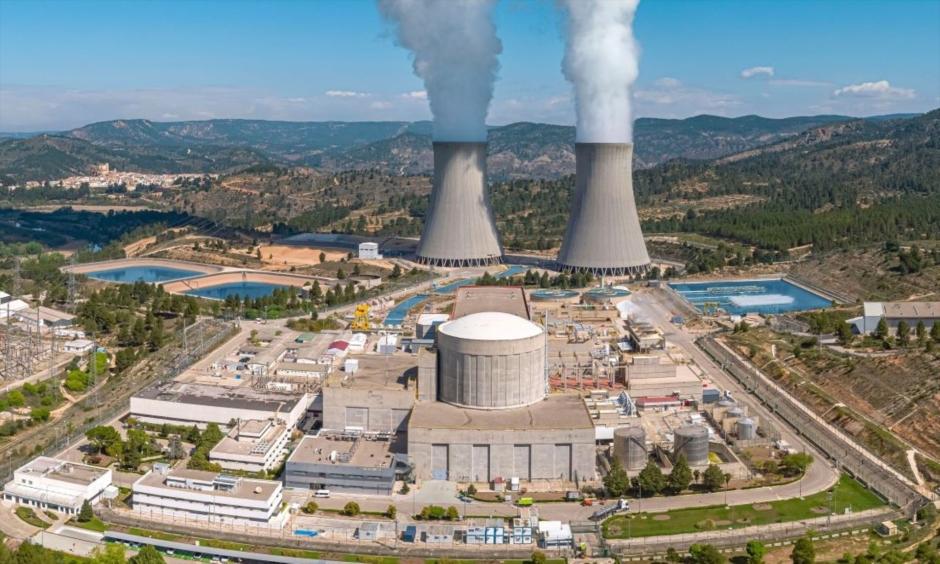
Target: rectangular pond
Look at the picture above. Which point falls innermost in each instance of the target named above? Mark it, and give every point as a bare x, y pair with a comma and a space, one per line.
242, 289
143, 273
740, 297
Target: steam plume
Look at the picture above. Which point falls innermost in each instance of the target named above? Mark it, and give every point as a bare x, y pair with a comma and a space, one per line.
454, 46
601, 60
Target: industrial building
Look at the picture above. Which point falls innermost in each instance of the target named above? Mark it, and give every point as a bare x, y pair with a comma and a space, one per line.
252, 446
603, 236
369, 250
196, 495
459, 229
343, 462
894, 313
656, 376
184, 403
377, 398
57, 485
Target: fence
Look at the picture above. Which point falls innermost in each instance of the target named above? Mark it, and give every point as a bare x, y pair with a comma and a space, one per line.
819, 527
850, 456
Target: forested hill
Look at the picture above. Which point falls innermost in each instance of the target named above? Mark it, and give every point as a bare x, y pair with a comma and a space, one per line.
518, 150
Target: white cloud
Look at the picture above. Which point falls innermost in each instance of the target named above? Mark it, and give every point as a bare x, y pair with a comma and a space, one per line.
345, 94
667, 82
415, 95
881, 89
757, 72
380, 105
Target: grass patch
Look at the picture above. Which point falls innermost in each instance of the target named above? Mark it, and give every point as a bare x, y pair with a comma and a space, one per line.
27, 515
155, 534
369, 559
295, 553
95, 524
51, 514
848, 494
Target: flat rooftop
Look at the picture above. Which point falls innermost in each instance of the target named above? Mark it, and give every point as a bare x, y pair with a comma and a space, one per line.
245, 488
358, 452
377, 371
63, 471
217, 396
248, 446
559, 411
477, 299
912, 310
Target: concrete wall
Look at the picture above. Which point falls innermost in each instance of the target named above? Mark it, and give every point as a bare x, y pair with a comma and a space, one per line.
339, 478
551, 453
375, 410
491, 374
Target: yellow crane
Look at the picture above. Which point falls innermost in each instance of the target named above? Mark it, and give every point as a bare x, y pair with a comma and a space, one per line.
361, 318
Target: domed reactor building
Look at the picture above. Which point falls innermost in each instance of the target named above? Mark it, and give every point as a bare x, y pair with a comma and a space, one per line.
603, 235
459, 229
483, 409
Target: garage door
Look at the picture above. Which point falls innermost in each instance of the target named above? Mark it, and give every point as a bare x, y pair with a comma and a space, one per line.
357, 417
481, 463
522, 462
438, 462
563, 461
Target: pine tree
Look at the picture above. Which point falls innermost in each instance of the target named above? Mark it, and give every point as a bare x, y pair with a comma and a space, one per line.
86, 514
616, 482
681, 476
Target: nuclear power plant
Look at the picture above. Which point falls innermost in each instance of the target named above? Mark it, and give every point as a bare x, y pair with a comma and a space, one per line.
459, 229
603, 235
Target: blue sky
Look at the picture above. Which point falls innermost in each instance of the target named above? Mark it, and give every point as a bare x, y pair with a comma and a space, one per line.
67, 63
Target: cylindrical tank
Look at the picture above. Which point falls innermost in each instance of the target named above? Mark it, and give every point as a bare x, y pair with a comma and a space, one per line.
491, 360
735, 412
630, 447
691, 441
459, 229
727, 403
746, 429
603, 234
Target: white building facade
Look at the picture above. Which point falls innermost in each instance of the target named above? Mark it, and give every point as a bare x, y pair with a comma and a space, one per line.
57, 485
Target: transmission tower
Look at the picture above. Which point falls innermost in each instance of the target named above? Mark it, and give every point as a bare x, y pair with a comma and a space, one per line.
71, 283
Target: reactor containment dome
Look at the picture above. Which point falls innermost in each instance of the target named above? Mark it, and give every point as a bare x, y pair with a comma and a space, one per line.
491, 360
459, 229
603, 235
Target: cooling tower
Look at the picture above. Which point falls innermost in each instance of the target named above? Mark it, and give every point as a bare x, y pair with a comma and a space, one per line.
603, 235
459, 229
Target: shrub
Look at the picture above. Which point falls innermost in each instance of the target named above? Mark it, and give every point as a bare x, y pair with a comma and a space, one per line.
310, 508
351, 509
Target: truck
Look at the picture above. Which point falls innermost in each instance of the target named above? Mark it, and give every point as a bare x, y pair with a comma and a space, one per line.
613, 509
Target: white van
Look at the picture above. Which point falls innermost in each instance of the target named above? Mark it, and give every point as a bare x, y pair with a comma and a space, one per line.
321, 493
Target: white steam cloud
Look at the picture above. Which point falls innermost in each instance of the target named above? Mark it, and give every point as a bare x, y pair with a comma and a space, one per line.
602, 61
455, 49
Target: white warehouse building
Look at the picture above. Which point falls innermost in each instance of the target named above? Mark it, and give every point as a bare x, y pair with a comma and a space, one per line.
894, 313
196, 495
369, 250
57, 485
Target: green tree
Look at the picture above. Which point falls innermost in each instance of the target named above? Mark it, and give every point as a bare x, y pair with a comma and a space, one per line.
538, 557
904, 333
705, 554
755, 552
103, 437
921, 331
147, 555
391, 511
310, 508
935, 332
650, 481
713, 478
396, 271
471, 490
616, 482
845, 333
351, 509
804, 552
681, 476
452, 514
881, 331
86, 514
796, 463
16, 399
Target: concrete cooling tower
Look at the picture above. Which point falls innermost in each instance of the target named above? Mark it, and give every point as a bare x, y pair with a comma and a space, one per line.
459, 229
603, 235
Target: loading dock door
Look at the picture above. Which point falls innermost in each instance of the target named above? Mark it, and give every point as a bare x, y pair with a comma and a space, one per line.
439, 462
522, 461
481, 463
563, 461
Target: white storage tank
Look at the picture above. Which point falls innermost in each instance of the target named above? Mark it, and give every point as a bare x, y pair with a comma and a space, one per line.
691, 441
746, 429
630, 447
491, 360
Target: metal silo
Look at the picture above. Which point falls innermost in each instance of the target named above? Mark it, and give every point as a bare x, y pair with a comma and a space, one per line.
603, 235
691, 441
735, 412
630, 447
746, 429
459, 229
